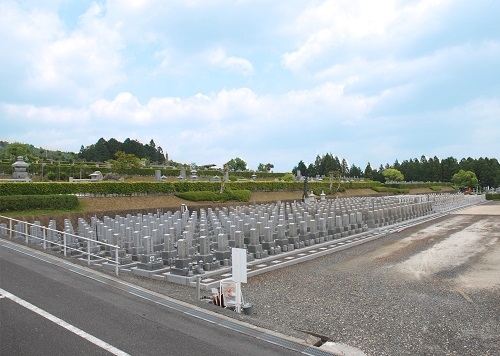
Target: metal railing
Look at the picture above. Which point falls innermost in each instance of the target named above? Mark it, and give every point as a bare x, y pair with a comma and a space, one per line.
69, 243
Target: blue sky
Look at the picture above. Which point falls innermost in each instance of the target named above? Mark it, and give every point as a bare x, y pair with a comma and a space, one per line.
267, 81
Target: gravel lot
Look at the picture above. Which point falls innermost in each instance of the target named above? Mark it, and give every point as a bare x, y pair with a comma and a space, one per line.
432, 289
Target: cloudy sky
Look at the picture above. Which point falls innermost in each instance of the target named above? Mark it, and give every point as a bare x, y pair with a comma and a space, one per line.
267, 81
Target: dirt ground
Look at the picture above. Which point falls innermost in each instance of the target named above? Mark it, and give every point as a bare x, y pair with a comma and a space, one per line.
472, 240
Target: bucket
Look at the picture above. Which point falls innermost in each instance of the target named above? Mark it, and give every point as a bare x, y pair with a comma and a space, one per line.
247, 309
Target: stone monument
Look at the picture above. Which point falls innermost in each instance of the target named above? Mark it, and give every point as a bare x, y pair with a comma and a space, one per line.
20, 169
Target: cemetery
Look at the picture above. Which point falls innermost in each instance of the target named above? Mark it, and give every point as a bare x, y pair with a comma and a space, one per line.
194, 248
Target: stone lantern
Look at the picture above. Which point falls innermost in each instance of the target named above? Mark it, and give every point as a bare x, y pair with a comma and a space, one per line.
20, 169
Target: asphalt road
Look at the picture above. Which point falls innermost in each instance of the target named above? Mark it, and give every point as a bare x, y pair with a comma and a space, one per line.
92, 318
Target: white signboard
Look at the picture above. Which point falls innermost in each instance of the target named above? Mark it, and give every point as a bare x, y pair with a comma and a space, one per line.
239, 261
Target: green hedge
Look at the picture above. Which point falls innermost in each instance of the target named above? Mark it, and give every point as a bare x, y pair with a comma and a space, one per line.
67, 169
429, 185
227, 195
35, 202
391, 190
132, 188
490, 196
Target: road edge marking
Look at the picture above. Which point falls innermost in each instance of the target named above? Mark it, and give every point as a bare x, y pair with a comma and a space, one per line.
96, 341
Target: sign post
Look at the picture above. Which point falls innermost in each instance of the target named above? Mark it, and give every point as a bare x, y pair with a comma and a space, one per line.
239, 262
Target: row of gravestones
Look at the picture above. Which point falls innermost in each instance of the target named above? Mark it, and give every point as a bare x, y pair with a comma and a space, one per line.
196, 242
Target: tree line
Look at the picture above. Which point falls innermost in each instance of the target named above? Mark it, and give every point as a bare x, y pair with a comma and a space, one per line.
424, 169
103, 151
487, 170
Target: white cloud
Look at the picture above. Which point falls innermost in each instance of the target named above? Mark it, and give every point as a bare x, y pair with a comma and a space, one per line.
230, 118
346, 22
78, 65
219, 58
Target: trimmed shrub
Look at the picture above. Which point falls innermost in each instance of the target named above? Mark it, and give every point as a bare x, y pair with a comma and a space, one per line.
131, 188
227, 195
494, 196
38, 202
391, 190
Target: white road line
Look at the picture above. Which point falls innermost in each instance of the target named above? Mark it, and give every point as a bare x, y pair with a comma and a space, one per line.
102, 344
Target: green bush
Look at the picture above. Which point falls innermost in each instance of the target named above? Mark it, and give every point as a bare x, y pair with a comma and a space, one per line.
238, 195
417, 185
435, 187
494, 196
38, 202
391, 190
228, 195
288, 177
132, 188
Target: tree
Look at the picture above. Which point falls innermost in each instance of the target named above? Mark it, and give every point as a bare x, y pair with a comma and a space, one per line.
105, 150
102, 152
424, 171
237, 164
354, 171
160, 156
151, 153
318, 167
17, 149
311, 170
344, 167
328, 164
435, 169
134, 147
391, 174
114, 146
125, 161
449, 166
468, 164
396, 165
488, 172
301, 166
265, 167
368, 172
465, 179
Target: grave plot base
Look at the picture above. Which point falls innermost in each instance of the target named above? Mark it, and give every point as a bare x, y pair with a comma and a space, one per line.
179, 279
147, 273
151, 266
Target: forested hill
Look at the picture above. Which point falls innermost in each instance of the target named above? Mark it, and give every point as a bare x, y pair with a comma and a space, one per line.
105, 150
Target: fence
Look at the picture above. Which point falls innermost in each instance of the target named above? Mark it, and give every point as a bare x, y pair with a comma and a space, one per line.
70, 244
